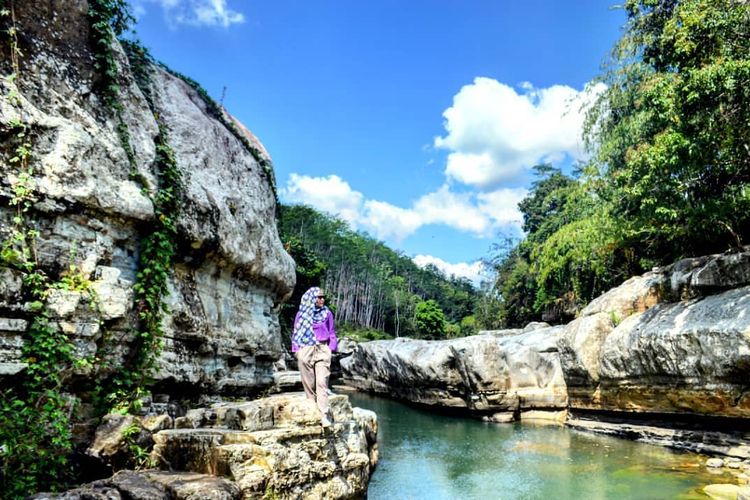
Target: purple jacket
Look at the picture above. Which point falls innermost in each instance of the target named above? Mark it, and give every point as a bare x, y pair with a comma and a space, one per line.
325, 332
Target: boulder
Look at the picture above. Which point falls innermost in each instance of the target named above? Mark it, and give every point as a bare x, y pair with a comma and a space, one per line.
722, 491
485, 373
685, 357
277, 445
270, 447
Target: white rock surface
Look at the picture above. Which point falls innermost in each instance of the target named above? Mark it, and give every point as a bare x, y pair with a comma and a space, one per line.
484, 373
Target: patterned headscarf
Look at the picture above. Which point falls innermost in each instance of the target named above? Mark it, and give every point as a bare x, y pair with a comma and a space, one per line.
309, 314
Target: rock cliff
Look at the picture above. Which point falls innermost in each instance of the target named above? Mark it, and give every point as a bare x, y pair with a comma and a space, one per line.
109, 159
673, 341
230, 272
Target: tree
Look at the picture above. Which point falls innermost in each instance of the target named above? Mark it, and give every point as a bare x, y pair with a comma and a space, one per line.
547, 198
670, 169
429, 319
372, 286
670, 134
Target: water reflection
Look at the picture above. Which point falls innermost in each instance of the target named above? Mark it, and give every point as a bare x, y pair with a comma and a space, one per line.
425, 455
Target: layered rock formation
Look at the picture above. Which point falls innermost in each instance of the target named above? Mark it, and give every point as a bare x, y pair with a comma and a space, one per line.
271, 448
92, 204
484, 374
231, 271
664, 358
636, 349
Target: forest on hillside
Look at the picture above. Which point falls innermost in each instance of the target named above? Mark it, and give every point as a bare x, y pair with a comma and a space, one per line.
370, 286
668, 177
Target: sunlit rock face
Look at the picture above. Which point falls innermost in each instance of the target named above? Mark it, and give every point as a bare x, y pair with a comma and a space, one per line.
231, 271
273, 447
504, 371
640, 348
673, 341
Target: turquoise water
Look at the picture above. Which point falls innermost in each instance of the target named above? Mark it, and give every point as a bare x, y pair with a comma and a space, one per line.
430, 456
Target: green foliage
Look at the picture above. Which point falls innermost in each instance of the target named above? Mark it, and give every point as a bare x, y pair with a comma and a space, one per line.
157, 252
576, 263
361, 334
670, 172
107, 20
34, 417
372, 286
468, 326
517, 289
670, 133
124, 389
17, 247
430, 320
141, 458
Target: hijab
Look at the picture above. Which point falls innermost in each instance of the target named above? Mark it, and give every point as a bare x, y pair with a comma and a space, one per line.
308, 315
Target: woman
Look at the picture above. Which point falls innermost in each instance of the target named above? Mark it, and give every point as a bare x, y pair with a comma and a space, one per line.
313, 340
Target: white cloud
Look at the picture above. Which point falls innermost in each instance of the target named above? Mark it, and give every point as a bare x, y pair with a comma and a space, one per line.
389, 222
494, 133
474, 272
329, 194
480, 215
194, 12
452, 209
502, 205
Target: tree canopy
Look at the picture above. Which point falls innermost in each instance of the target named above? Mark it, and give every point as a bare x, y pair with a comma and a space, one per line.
669, 172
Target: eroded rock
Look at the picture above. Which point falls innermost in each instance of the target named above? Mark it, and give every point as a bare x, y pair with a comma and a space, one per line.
231, 271
485, 373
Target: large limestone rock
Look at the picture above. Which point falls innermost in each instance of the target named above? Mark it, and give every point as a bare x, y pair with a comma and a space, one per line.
231, 272
485, 373
684, 357
639, 348
273, 447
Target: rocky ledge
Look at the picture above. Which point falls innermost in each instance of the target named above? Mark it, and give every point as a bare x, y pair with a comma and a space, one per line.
272, 447
484, 375
672, 345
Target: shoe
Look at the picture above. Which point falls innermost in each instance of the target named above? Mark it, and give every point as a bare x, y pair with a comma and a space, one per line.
325, 422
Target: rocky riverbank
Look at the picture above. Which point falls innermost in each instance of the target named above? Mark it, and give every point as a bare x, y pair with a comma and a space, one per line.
272, 447
671, 346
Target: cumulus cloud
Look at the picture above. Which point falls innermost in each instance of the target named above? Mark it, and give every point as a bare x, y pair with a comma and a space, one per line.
495, 132
389, 222
329, 194
452, 209
502, 206
474, 272
194, 12
480, 215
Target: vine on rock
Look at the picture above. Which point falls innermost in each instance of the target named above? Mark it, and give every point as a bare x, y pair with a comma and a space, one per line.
35, 415
108, 19
124, 389
157, 254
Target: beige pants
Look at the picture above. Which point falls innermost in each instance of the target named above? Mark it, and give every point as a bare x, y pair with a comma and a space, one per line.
314, 364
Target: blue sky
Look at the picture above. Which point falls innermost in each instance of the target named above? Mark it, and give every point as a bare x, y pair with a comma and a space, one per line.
416, 121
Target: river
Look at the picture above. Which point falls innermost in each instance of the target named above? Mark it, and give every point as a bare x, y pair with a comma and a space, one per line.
432, 456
